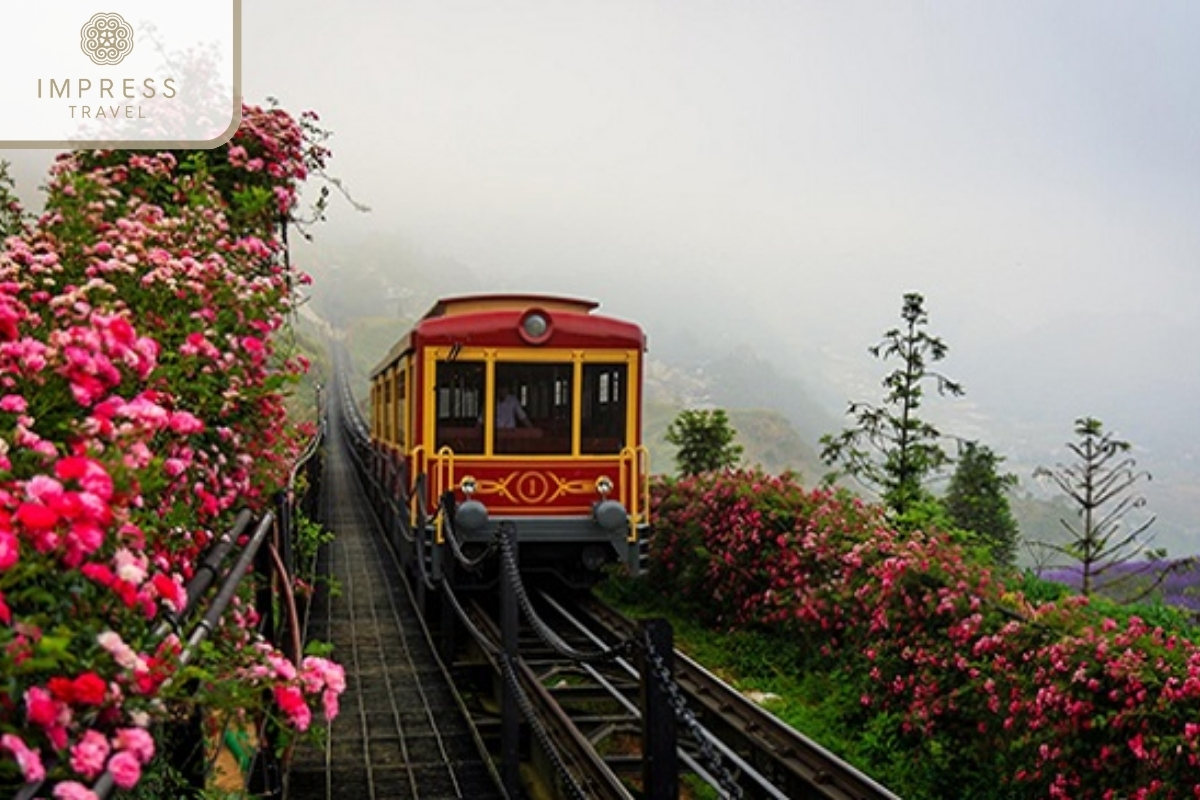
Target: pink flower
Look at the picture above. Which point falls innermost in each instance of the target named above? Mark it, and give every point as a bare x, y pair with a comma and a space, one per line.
40, 708
73, 790
13, 403
89, 754
130, 566
44, 490
125, 769
136, 741
90, 474
9, 549
1138, 746
28, 760
291, 702
185, 423
123, 654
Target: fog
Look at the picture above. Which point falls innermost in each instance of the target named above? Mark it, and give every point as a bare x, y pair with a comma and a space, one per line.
778, 174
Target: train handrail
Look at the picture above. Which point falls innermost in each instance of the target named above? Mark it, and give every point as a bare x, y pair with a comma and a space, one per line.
635, 487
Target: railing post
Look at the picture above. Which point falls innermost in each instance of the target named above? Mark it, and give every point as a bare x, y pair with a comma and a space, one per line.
510, 713
448, 624
660, 760
265, 780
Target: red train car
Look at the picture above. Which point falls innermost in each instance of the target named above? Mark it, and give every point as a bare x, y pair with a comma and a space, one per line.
529, 409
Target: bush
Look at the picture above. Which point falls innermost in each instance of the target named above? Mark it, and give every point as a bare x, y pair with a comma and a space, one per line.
141, 400
984, 691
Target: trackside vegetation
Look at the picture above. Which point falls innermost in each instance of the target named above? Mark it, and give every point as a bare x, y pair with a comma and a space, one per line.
936, 672
142, 404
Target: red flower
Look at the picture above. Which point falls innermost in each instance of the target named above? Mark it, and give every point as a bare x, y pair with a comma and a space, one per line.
36, 516
90, 689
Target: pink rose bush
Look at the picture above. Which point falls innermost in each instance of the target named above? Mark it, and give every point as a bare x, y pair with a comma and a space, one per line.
958, 685
141, 404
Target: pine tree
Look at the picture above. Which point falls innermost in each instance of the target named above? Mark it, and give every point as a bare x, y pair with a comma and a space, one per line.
705, 441
977, 501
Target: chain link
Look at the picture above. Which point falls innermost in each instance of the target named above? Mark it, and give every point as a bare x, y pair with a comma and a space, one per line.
448, 509
709, 757
544, 631
539, 730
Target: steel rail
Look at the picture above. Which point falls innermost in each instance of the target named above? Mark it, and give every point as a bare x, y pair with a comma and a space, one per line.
589, 768
814, 771
763, 784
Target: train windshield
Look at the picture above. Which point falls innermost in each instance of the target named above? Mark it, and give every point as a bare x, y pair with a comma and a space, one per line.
534, 403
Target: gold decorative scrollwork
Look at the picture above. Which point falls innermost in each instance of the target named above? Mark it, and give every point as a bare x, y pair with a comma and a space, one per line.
534, 487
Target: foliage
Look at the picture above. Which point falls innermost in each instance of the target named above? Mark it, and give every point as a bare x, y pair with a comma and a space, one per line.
705, 441
976, 501
983, 691
889, 447
141, 402
310, 537
1101, 485
12, 218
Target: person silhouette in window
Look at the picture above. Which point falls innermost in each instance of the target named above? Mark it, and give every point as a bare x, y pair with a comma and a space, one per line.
509, 413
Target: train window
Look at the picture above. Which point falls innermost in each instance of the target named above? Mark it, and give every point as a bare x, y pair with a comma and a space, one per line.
533, 409
460, 406
604, 406
401, 415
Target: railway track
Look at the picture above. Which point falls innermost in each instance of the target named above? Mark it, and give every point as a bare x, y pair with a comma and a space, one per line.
593, 712
400, 733
794, 764
558, 708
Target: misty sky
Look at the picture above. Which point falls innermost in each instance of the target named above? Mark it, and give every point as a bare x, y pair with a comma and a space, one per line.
1033, 168
1038, 157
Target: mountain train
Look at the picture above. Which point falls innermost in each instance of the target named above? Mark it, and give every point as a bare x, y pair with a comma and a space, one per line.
519, 409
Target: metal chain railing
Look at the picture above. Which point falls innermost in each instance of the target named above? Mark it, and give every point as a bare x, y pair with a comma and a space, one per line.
709, 757
539, 730
451, 535
543, 631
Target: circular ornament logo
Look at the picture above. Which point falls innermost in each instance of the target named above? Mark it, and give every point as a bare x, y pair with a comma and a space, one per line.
106, 38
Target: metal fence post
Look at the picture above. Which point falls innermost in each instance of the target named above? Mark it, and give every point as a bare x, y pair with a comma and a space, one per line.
660, 760
510, 713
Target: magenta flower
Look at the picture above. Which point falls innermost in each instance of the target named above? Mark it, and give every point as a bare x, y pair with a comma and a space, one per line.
28, 760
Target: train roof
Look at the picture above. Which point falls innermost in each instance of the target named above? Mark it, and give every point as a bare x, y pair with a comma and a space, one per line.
494, 319
476, 303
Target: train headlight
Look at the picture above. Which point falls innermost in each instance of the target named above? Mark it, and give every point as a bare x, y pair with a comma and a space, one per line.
468, 485
604, 486
535, 326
